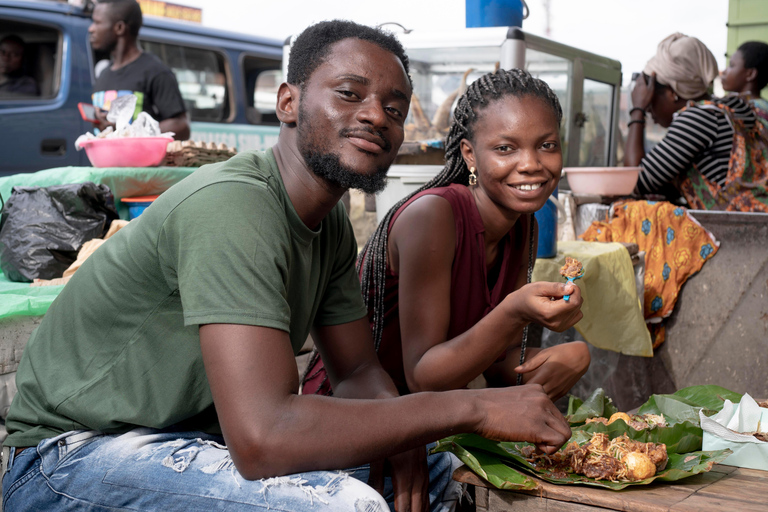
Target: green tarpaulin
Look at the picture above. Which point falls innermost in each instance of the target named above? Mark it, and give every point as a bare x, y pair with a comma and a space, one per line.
21, 299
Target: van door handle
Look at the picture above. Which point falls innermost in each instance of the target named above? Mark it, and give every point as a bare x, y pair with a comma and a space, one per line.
53, 147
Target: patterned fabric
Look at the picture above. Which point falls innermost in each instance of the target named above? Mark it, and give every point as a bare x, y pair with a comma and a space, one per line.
675, 244
746, 186
761, 109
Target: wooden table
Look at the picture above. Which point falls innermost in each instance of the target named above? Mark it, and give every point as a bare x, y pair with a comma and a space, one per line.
724, 488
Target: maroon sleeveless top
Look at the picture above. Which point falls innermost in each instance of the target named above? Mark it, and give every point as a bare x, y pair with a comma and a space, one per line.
471, 299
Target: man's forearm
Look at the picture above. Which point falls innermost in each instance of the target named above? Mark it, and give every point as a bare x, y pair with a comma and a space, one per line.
179, 125
315, 432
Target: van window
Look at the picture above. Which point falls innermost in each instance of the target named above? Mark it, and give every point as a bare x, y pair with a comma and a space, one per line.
262, 79
202, 79
29, 61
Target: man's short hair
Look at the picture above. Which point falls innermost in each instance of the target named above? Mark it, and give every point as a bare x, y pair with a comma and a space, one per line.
128, 11
755, 54
314, 44
13, 38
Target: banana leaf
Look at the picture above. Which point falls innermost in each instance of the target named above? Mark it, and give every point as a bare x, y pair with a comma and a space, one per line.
488, 466
508, 454
684, 405
597, 405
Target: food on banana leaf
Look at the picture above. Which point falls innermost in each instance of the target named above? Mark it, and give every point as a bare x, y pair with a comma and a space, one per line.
636, 421
619, 460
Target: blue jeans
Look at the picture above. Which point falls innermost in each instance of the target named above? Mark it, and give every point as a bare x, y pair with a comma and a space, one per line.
147, 469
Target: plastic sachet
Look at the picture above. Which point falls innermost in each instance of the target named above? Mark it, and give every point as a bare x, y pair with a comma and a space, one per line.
733, 428
121, 112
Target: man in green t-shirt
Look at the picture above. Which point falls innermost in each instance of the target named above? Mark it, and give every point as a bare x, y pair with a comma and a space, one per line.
163, 376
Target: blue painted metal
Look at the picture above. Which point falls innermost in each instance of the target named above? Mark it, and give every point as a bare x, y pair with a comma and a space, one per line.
494, 13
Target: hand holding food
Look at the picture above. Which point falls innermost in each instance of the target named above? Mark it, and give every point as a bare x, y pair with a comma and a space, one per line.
538, 303
534, 418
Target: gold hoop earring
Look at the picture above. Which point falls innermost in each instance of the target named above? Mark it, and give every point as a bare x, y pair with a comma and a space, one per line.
472, 177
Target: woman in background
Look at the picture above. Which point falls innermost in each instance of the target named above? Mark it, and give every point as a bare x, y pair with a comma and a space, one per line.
747, 75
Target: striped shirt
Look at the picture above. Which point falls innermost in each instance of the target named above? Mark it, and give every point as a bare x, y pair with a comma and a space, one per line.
698, 135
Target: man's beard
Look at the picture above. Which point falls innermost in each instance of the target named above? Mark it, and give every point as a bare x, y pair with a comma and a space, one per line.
328, 165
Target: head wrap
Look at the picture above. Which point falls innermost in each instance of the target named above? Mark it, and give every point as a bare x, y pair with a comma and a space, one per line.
685, 64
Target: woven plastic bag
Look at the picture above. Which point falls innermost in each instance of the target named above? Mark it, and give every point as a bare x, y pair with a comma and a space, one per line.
42, 228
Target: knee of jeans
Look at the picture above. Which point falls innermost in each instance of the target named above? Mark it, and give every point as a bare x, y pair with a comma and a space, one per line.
364, 497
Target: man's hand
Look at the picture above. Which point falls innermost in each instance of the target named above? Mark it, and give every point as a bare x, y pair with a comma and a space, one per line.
557, 368
101, 119
410, 479
522, 413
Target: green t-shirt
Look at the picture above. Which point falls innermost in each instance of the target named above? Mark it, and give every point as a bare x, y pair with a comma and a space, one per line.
120, 348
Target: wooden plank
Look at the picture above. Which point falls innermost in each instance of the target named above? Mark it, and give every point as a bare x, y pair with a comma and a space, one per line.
697, 503
508, 501
723, 488
740, 488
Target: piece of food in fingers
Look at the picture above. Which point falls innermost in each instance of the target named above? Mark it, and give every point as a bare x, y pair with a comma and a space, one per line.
572, 267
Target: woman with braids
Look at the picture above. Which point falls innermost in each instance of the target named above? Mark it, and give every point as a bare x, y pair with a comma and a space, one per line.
446, 276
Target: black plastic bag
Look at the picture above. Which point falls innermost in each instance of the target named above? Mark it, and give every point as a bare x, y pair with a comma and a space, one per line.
42, 228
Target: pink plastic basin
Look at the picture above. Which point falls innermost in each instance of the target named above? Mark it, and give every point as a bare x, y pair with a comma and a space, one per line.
126, 151
603, 181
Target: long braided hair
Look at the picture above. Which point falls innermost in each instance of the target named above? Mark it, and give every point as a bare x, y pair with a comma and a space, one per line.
485, 90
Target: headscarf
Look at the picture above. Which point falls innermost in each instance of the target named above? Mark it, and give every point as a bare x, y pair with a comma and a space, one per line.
685, 64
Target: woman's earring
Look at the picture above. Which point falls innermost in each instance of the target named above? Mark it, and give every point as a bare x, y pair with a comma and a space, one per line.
677, 98
472, 177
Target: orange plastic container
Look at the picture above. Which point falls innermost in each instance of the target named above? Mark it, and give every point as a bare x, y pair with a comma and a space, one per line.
126, 151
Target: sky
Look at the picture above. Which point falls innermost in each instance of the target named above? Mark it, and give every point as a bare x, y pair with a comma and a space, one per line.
624, 30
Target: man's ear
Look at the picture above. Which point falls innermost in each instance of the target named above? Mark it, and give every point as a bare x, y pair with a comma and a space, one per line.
467, 153
120, 28
288, 97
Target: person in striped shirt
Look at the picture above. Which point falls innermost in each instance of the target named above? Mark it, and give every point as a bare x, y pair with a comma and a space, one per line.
673, 84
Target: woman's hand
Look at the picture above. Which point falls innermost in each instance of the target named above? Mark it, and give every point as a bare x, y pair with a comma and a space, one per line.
542, 303
410, 479
642, 93
557, 368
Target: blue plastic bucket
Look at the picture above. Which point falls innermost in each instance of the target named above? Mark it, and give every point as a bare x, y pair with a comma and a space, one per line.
135, 209
136, 205
546, 217
494, 13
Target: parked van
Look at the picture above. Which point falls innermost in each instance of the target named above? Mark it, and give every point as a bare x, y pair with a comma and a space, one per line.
228, 80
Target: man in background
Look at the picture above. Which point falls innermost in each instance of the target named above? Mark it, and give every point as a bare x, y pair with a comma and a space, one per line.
13, 80
115, 29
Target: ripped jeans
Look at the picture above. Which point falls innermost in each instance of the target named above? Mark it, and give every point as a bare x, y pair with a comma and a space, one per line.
147, 469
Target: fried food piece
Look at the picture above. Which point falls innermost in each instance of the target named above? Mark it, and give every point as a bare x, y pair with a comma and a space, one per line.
572, 267
620, 416
639, 466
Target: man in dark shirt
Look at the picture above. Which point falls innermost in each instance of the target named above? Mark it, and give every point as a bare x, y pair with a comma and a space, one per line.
13, 81
115, 28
